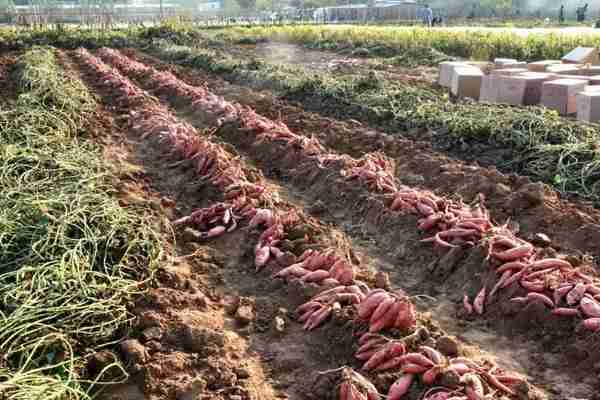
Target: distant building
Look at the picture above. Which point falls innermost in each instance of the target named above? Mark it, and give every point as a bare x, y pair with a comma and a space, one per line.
213, 5
383, 3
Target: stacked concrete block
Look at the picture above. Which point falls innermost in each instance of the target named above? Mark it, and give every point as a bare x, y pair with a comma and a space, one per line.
511, 89
582, 55
588, 106
541, 66
489, 89
466, 82
534, 86
560, 94
565, 69
509, 71
525, 89
589, 70
501, 62
446, 70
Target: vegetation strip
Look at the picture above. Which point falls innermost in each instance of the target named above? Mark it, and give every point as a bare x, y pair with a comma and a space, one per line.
72, 256
394, 41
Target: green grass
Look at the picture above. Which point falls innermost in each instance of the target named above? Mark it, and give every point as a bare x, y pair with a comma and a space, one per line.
378, 41
540, 143
395, 41
71, 256
15, 38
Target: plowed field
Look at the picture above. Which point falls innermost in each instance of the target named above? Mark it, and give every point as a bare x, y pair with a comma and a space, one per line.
353, 194
308, 257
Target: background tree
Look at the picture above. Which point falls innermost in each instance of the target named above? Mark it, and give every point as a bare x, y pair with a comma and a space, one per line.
247, 4
497, 7
231, 7
263, 5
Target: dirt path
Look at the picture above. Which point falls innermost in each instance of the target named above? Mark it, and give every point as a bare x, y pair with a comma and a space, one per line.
525, 354
331, 62
8, 87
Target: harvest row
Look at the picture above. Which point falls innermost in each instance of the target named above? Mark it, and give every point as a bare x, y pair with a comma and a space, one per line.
325, 182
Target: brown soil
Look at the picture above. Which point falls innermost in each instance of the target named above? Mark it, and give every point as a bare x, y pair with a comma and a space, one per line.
538, 344
318, 60
8, 87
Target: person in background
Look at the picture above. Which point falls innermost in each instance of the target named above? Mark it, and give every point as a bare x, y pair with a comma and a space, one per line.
471, 13
580, 11
427, 15
561, 14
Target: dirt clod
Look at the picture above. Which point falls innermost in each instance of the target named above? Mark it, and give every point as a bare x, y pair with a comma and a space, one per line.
317, 208
134, 352
147, 319
244, 314
382, 280
541, 239
279, 324
448, 346
191, 235
533, 194
197, 339
242, 373
413, 179
231, 304
502, 189
100, 360
449, 378
152, 333
287, 259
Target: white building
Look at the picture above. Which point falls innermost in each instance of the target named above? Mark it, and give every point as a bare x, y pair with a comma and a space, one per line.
210, 6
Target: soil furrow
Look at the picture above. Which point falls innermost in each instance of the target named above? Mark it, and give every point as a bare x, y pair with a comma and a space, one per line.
328, 193
533, 208
8, 86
